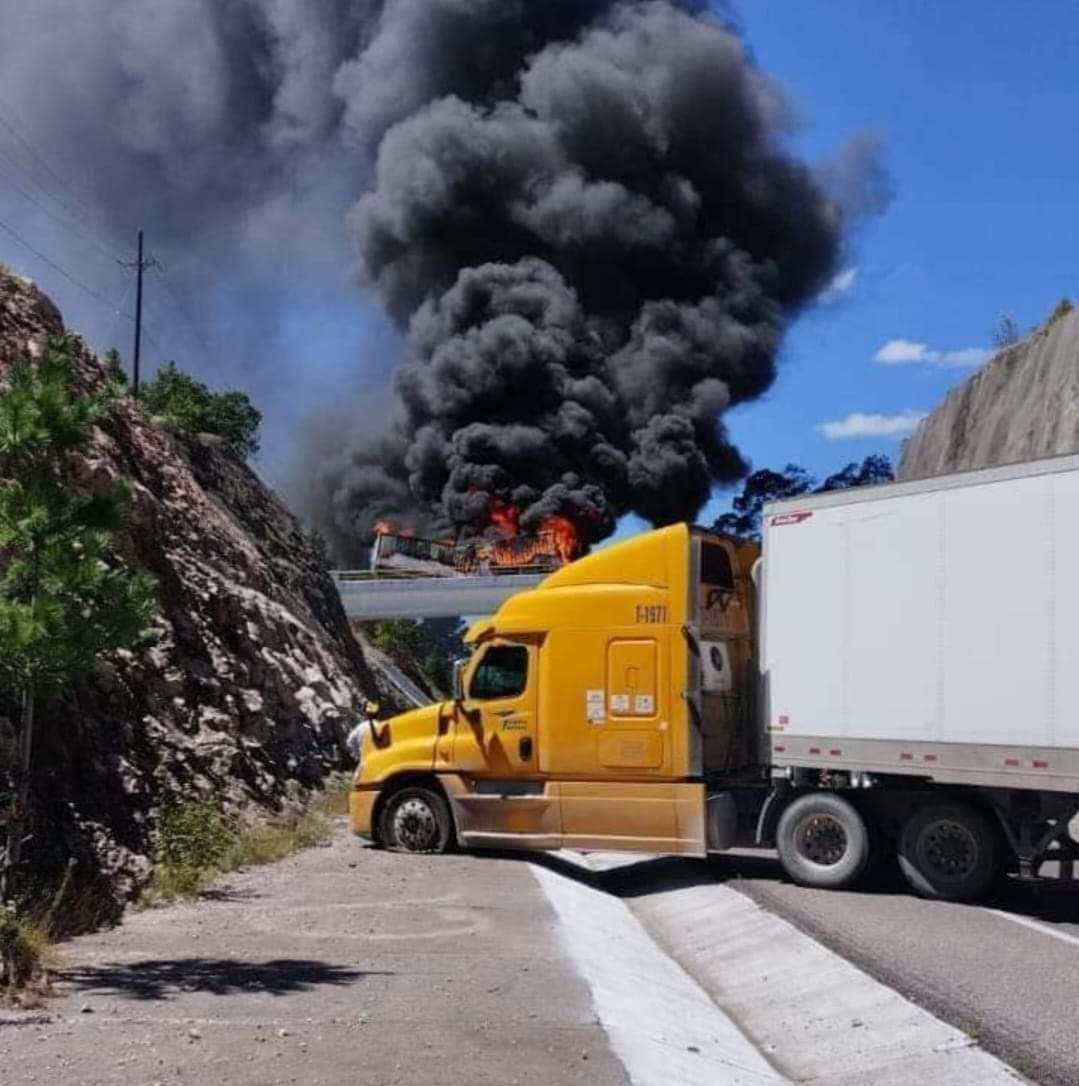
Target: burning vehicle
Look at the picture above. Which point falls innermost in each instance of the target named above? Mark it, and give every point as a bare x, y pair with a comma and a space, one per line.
556, 544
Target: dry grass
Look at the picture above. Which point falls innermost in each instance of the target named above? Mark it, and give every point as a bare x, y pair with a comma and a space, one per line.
26, 949
333, 802
194, 843
199, 844
23, 945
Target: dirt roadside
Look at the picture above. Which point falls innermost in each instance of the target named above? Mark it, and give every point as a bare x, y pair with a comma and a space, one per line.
342, 964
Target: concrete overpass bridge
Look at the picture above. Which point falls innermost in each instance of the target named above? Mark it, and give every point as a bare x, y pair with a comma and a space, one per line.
368, 596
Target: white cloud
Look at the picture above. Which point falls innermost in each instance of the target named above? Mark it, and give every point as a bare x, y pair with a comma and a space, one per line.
904, 352
860, 424
898, 352
839, 286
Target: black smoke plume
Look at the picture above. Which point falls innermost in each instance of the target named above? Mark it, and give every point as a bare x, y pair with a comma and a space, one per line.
581, 214
585, 217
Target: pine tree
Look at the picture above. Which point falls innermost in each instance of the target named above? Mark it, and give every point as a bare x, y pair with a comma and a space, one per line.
64, 599
114, 366
182, 403
762, 487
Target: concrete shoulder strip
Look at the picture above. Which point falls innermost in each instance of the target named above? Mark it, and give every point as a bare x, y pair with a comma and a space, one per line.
662, 1025
819, 1018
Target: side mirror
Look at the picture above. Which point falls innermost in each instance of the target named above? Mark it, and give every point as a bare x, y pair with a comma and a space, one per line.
459, 680
372, 709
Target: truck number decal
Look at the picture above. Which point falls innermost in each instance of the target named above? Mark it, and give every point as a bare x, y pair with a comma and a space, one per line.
651, 615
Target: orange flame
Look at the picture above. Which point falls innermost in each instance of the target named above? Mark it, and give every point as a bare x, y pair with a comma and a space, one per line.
384, 527
565, 536
505, 517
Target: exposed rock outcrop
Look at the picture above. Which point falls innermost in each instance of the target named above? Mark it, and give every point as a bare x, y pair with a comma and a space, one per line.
253, 676
1021, 405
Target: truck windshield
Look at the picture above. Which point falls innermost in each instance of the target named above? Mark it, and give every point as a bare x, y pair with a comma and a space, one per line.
502, 673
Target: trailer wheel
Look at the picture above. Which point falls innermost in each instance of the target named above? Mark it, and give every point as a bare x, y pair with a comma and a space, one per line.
823, 841
416, 820
949, 853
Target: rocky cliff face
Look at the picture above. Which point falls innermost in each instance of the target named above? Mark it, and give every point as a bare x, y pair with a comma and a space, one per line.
253, 677
1021, 405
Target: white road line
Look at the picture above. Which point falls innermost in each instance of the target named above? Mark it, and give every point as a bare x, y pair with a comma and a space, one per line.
1026, 922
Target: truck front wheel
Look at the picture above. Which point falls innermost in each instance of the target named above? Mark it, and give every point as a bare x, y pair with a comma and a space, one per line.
949, 852
416, 819
822, 841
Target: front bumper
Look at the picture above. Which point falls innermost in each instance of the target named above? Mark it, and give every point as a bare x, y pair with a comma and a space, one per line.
360, 808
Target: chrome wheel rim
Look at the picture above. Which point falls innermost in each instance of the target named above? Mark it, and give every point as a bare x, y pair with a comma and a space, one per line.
821, 839
415, 826
947, 850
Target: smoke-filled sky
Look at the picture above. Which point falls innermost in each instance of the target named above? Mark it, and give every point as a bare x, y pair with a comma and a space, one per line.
578, 215
575, 230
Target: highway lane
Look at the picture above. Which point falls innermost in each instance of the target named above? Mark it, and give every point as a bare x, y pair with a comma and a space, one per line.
1006, 971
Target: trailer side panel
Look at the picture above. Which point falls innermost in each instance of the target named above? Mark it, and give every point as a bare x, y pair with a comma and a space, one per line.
928, 616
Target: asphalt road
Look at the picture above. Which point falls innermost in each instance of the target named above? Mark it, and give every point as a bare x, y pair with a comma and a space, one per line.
340, 965
1006, 972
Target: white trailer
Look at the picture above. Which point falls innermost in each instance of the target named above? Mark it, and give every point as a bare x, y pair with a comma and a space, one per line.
919, 658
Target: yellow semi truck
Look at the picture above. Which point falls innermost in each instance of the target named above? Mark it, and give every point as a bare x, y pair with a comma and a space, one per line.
851, 694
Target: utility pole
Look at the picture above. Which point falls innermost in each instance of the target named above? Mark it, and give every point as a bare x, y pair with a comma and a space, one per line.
140, 267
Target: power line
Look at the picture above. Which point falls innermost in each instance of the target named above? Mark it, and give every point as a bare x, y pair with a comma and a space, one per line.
75, 219
24, 142
120, 311
116, 310
185, 312
147, 330
67, 224
91, 226
56, 267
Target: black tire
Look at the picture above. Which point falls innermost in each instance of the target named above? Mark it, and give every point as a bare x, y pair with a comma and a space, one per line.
823, 841
416, 819
949, 852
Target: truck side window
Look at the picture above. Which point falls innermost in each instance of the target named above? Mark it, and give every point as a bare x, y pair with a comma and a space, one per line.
716, 566
502, 673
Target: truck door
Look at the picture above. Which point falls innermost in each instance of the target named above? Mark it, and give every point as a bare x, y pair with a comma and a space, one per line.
496, 730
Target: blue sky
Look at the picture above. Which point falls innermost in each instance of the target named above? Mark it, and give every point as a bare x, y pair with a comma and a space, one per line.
977, 107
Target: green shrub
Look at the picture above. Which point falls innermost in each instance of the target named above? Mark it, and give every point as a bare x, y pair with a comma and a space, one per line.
192, 835
317, 542
194, 843
429, 646
187, 405
1062, 309
1006, 333
267, 842
114, 366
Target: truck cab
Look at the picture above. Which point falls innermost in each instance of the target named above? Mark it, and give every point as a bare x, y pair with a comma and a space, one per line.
883, 704
591, 712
